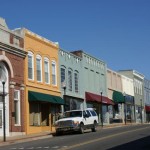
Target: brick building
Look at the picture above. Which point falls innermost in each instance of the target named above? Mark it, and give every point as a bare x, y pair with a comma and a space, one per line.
12, 57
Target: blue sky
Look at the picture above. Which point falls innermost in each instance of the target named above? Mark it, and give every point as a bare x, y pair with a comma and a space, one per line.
115, 31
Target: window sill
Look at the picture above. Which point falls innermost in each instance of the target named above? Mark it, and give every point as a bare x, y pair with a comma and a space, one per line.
17, 125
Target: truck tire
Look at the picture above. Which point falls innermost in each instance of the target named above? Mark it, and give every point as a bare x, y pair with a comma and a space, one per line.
81, 130
94, 128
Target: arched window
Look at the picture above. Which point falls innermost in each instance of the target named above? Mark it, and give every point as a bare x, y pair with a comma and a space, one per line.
76, 81
30, 66
46, 70
63, 76
39, 68
70, 80
54, 74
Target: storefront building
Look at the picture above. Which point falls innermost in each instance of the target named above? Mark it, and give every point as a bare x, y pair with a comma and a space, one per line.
147, 99
95, 85
114, 84
43, 96
138, 83
128, 90
12, 57
71, 78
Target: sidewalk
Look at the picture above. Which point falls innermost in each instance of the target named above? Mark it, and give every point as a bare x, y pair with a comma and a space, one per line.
26, 138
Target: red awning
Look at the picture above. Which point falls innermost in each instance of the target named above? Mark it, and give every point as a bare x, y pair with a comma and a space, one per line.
147, 108
90, 97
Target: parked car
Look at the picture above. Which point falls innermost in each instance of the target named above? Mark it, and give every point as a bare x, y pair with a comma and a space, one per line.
77, 120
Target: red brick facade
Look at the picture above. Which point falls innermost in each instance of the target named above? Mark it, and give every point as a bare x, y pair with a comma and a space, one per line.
12, 55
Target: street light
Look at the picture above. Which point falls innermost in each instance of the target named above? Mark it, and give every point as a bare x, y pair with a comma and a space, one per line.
3, 79
64, 87
141, 111
125, 108
101, 110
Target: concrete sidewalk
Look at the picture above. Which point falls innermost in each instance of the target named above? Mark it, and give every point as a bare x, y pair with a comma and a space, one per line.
42, 135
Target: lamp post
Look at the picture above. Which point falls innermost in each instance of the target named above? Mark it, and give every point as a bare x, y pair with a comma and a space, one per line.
64, 87
141, 111
101, 110
3, 80
125, 108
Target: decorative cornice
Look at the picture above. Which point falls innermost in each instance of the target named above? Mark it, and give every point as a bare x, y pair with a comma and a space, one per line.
13, 50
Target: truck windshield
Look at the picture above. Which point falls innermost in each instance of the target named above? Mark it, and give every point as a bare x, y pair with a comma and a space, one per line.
73, 114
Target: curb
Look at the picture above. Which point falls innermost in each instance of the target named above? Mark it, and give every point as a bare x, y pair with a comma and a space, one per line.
25, 139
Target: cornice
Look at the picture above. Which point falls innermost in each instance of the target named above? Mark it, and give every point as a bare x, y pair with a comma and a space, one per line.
13, 50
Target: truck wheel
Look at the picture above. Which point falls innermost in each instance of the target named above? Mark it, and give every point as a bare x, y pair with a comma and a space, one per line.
94, 128
58, 133
81, 128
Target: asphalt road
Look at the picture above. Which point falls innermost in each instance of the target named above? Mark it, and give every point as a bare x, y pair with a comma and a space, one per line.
121, 138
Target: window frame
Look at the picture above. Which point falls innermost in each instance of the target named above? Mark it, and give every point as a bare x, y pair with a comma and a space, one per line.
32, 64
47, 60
76, 81
19, 109
38, 57
54, 82
63, 76
70, 79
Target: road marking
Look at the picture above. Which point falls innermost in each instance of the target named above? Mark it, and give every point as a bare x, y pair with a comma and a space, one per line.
56, 147
100, 139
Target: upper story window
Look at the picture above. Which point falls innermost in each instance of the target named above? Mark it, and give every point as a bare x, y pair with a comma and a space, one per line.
16, 41
70, 80
63, 76
46, 70
30, 66
54, 81
76, 79
39, 68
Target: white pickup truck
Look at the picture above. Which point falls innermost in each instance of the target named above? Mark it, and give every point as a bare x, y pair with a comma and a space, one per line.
77, 120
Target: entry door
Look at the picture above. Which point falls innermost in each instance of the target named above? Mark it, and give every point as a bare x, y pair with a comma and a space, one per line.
45, 114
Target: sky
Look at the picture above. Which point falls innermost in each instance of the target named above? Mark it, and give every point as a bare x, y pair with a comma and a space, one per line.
115, 31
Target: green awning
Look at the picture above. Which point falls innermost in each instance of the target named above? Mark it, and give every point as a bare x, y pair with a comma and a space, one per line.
35, 96
118, 97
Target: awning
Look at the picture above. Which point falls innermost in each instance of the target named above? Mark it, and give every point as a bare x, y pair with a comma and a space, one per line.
118, 97
147, 108
91, 97
35, 96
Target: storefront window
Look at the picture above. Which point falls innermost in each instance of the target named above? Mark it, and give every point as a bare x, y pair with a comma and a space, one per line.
105, 114
73, 104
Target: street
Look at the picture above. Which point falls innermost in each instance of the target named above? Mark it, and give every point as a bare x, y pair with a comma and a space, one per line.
119, 138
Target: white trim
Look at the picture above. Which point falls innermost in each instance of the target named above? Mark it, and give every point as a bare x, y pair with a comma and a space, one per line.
39, 58
18, 105
54, 63
47, 60
31, 54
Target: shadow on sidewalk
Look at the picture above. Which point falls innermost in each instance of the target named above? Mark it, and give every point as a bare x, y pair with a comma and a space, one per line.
140, 144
